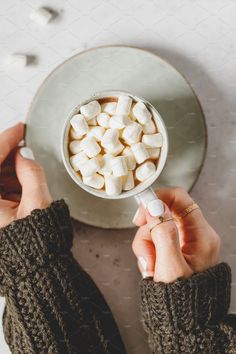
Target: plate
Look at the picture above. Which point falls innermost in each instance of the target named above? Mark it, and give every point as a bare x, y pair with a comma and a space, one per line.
127, 69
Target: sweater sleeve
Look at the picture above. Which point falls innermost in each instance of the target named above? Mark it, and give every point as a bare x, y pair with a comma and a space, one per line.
190, 315
52, 305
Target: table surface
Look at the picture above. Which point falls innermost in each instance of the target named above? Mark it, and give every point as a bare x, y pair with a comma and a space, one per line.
198, 38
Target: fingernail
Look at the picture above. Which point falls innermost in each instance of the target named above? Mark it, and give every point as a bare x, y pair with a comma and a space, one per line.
27, 153
143, 262
135, 216
155, 207
147, 275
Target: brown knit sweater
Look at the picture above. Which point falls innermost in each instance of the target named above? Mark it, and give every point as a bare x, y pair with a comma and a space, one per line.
53, 306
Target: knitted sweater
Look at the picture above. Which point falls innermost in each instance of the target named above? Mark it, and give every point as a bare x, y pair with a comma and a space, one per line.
53, 306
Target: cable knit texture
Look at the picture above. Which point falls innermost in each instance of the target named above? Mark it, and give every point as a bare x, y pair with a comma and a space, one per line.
190, 315
52, 305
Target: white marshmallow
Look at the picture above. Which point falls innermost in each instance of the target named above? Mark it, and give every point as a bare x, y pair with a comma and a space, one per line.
95, 181
96, 132
109, 107
140, 152
131, 133
128, 181
146, 170
75, 135
149, 128
113, 185
92, 121
123, 105
91, 109
77, 160
90, 146
114, 149
79, 124
41, 15
103, 120
154, 153
118, 166
106, 164
141, 113
89, 167
75, 147
130, 159
119, 122
152, 140
110, 137
17, 60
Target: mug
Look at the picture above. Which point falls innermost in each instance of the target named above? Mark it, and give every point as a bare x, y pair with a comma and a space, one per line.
143, 192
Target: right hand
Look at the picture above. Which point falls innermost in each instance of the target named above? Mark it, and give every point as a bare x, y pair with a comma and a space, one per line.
175, 248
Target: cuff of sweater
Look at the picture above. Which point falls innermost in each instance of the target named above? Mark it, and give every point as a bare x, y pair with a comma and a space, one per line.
201, 300
35, 240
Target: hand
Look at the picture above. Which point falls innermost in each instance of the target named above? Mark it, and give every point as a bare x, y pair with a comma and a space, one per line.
176, 248
23, 185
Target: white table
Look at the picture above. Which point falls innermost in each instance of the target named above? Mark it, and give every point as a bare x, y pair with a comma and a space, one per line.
199, 39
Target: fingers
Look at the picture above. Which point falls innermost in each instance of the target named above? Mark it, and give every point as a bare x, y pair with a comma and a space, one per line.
144, 250
139, 218
9, 139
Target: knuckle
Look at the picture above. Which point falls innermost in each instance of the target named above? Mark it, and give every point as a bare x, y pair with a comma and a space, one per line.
180, 191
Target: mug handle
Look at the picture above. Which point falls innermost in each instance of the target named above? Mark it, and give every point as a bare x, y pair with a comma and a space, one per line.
146, 198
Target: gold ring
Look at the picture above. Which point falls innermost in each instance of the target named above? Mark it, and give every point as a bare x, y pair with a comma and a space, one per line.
188, 210
161, 218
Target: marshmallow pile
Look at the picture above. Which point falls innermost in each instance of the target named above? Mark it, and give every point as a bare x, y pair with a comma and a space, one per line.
114, 145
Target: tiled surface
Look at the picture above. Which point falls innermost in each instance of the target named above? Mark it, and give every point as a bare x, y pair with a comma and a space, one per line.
198, 37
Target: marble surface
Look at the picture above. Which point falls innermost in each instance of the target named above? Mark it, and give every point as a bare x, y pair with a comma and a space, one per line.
197, 37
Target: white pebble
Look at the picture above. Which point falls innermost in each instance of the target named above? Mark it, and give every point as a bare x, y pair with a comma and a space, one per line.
119, 121
95, 181
109, 107
131, 133
149, 128
140, 152
130, 159
113, 185
75, 147
141, 113
128, 181
17, 61
123, 105
77, 160
103, 120
114, 149
75, 135
89, 167
110, 137
91, 109
146, 170
96, 132
118, 166
92, 121
154, 153
41, 15
79, 124
106, 164
90, 146
152, 140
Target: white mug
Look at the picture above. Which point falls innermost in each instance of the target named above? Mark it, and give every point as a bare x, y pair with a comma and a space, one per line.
143, 192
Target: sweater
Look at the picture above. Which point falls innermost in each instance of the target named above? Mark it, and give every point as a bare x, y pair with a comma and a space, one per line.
53, 306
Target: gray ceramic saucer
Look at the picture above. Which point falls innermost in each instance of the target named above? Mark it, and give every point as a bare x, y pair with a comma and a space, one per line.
121, 68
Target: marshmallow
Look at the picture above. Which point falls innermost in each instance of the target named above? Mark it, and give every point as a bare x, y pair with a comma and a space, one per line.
118, 166
128, 181
113, 185
123, 105
131, 133
103, 120
75, 147
154, 153
114, 149
140, 152
149, 128
144, 171
79, 124
89, 167
77, 160
17, 61
95, 181
90, 146
109, 107
152, 140
75, 135
106, 164
110, 137
96, 132
92, 121
91, 109
119, 122
41, 15
130, 159
141, 113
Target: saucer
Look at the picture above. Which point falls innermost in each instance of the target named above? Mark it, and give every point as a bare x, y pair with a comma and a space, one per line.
123, 69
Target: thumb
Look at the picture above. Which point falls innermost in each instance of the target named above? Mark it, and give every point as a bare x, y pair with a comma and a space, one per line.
35, 193
170, 263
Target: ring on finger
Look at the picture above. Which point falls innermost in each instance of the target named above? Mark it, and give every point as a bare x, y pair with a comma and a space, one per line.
161, 220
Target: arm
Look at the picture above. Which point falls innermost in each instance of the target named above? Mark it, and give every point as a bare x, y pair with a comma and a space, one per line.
52, 305
190, 315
